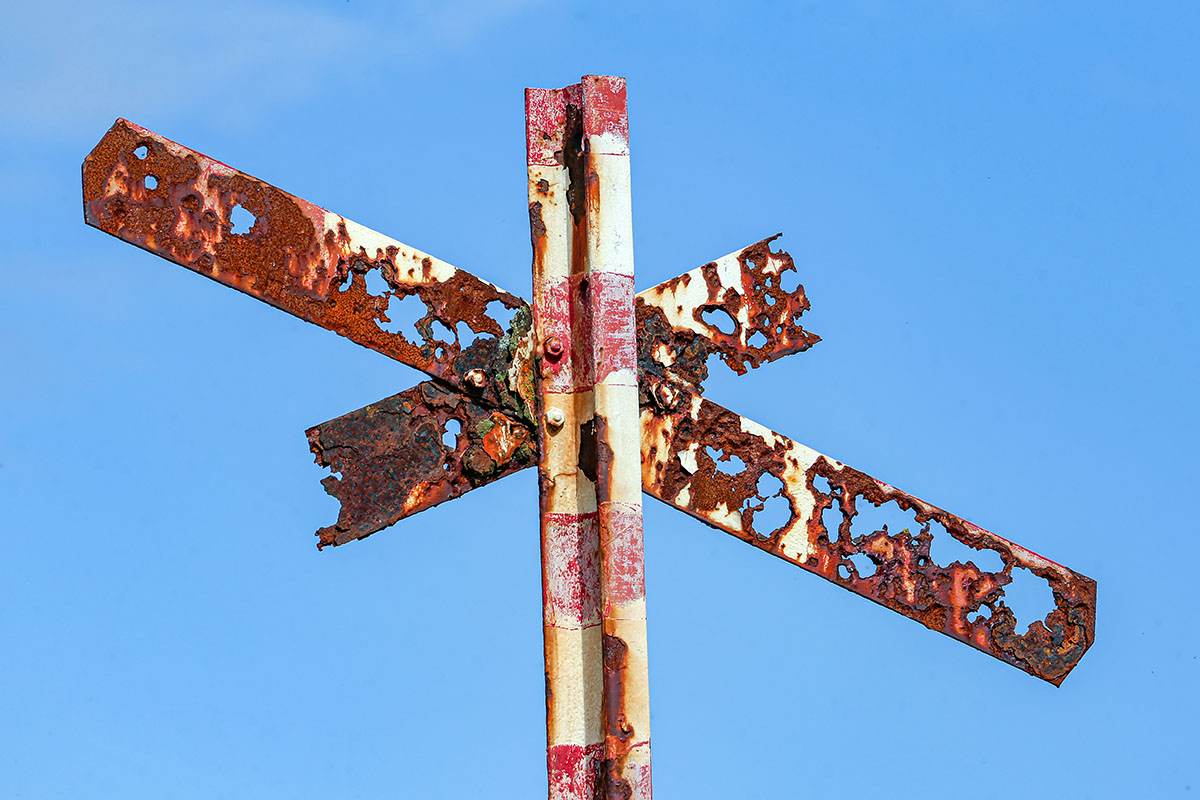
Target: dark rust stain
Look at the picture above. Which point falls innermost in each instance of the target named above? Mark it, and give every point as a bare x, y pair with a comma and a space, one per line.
615, 653
609, 784
393, 461
573, 157
537, 228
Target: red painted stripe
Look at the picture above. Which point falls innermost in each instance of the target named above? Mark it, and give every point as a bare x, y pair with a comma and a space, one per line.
611, 299
605, 110
562, 312
572, 770
571, 570
623, 548
545, 115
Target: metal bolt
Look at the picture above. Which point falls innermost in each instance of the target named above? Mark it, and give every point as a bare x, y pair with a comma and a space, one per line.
476, 378
555, 417
553, 347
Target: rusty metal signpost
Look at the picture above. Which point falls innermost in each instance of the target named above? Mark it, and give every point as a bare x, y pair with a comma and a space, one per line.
596, 386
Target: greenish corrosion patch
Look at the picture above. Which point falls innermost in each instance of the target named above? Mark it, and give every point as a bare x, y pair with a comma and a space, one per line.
514, 368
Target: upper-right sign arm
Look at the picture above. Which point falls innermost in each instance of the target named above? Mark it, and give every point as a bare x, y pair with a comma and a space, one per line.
809, 509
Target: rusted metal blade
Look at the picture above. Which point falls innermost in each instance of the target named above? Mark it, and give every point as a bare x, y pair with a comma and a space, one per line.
687, 458
412, 451
312, 263
742, 307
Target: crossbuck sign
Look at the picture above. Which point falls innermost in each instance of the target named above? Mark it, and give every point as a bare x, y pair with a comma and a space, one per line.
597, 387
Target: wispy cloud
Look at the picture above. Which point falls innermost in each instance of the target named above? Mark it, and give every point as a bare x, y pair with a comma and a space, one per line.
67, 61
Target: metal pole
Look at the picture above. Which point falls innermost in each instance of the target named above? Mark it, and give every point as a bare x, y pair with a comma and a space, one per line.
570, 572
594, 615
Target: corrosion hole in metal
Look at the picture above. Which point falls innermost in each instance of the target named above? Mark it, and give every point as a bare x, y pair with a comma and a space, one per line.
789, 281
758, 339
465, 335
889, 518
141, 151
151, 182
403, 313
730, 465
863, 564
983, 612
832, 518
441, 332
945, 550
376, 284
718, 318
450, 436
772, 512
501, 313
1029, 598
769, 299
241, 220
843, 572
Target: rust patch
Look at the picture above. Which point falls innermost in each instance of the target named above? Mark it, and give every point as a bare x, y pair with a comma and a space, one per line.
573, 157
615, 653
537, 228
393, 460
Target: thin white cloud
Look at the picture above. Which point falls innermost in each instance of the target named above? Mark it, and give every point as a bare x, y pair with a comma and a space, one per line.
66, 62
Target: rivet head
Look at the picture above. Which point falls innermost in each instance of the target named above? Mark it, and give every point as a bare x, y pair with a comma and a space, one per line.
555, 417
553, 347
476, 378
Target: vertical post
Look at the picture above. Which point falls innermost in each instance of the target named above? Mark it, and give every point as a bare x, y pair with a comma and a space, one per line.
569, 536
608, 286
594, 617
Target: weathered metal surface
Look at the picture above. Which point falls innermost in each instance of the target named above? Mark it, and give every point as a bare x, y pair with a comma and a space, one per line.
607, 288
317, 265
738, 308
412, 451
569, 533
687, 462
593, 582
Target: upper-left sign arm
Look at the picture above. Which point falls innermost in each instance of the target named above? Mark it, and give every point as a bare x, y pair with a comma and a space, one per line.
179, 204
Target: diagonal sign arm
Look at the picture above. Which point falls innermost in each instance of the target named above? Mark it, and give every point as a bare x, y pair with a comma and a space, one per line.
738, 308
319, 266
410, 452
687, 463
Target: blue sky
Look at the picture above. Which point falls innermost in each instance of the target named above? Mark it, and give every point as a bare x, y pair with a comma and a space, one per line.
993, 208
